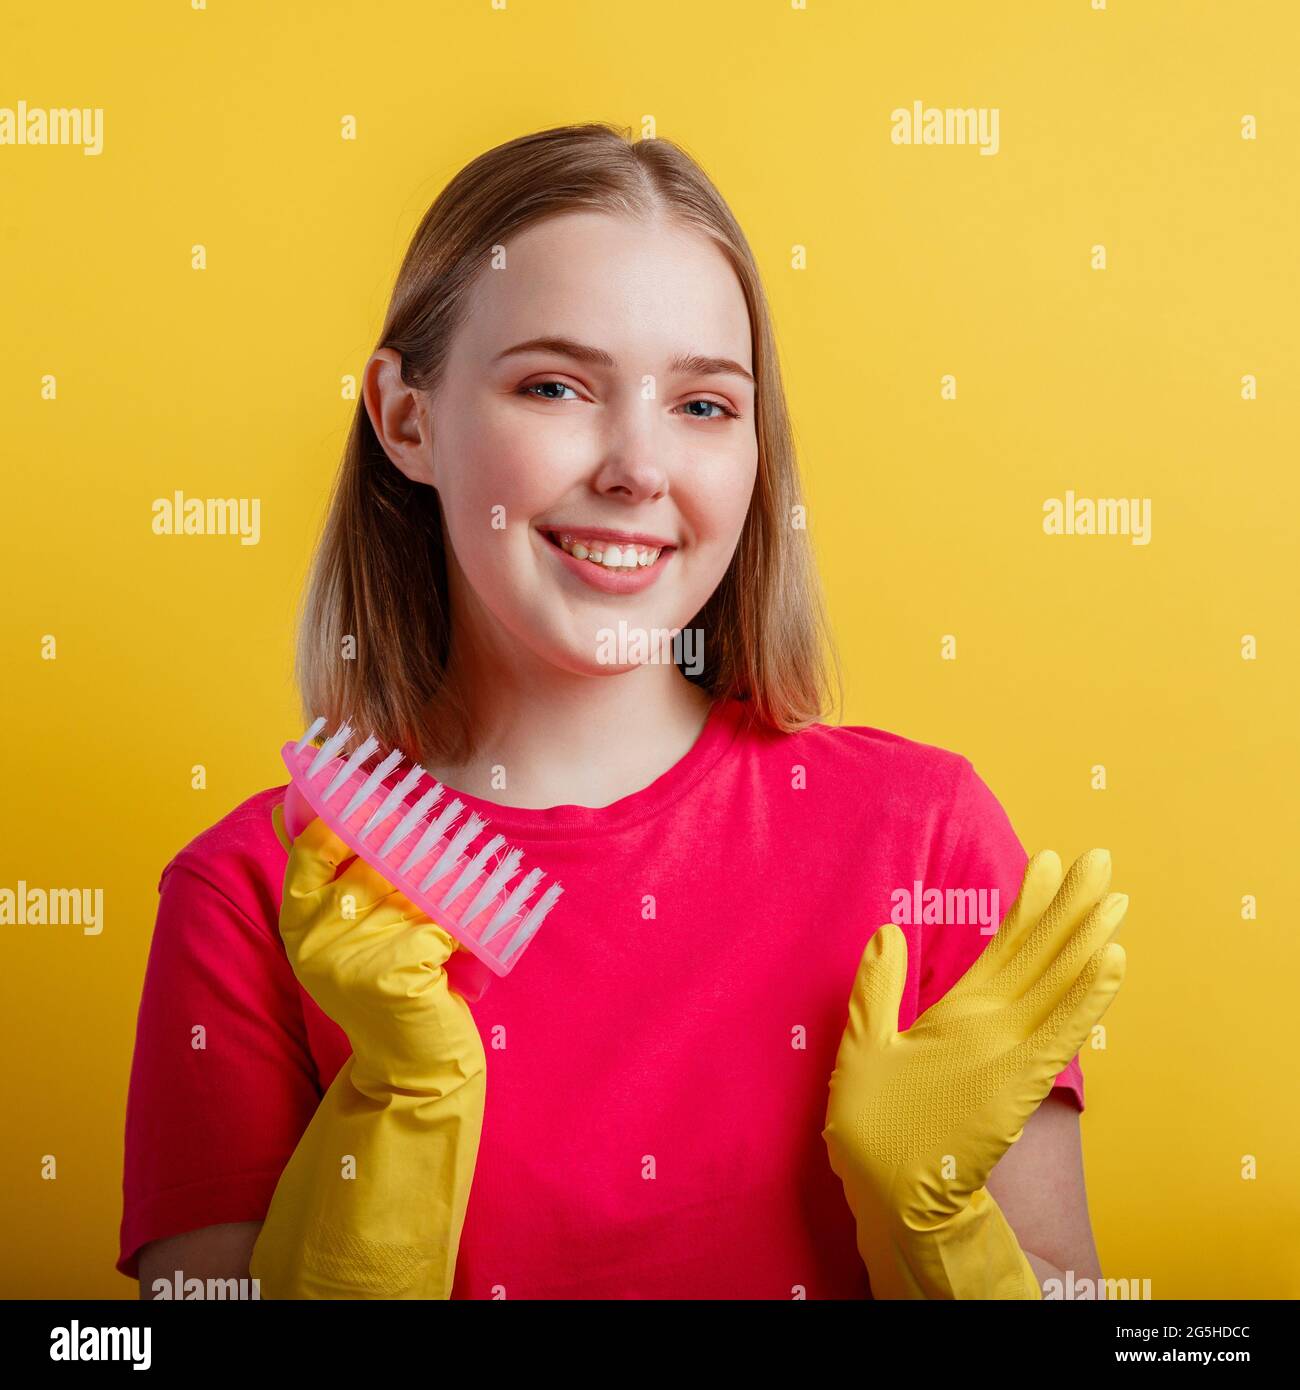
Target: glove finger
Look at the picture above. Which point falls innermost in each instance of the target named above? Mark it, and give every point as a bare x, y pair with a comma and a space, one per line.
368, 887
1038, 888
344, 915
447, 944
313, 858
1083, 888
1068, 1026
877, 990
427, 945
281, 833
358, 916
1097, 928
404, 937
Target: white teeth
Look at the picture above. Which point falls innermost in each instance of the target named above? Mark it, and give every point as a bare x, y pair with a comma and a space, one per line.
608, 555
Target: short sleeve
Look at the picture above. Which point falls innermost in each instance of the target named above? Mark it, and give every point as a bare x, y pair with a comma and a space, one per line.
223, 1083
986, 857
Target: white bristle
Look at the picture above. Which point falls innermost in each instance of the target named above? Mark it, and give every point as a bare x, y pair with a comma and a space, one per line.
474, 868
451, 856
393, 800
431, 836
349, 767
444, 823
368, 787
316, 727
409, 821
457, 862
522, 890
500, 876
329, 749
534, 920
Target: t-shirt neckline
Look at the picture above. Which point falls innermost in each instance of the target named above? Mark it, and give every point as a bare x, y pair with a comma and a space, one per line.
567, 820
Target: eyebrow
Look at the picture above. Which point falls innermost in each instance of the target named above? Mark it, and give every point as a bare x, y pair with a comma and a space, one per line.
692, 364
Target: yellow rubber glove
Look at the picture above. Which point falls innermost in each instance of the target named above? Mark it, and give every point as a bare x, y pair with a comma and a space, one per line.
372, 1201
917, 1120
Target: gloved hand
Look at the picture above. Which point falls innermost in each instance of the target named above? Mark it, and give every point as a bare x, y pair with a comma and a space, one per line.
372, 1202
917, 1120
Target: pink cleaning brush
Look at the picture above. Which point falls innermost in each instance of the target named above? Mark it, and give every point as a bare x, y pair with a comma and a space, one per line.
433, 861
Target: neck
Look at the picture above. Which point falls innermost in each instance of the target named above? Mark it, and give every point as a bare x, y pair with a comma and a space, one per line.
543, 736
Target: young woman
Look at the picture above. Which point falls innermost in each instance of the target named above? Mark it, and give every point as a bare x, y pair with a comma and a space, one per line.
574, 426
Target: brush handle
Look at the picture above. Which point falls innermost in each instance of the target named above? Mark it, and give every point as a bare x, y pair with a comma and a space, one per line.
466, 974
298, 813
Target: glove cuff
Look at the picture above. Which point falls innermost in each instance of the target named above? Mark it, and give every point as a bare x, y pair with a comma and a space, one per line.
973, 1254
372, 1201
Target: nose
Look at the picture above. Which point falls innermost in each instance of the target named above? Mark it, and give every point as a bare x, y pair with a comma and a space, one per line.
633, 452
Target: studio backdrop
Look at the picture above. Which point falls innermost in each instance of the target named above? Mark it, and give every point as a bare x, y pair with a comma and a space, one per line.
1033, 275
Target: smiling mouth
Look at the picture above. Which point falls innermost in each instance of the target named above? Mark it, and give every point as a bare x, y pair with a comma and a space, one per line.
619, 557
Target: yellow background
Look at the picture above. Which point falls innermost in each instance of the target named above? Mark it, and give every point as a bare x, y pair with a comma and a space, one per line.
1119, 128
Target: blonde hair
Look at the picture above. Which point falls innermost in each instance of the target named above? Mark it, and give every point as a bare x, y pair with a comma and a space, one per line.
379, 574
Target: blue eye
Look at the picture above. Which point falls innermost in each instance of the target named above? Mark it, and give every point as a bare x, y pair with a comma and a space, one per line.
536, 386
727, 412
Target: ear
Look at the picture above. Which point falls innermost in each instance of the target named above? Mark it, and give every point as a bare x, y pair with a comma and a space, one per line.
399, 415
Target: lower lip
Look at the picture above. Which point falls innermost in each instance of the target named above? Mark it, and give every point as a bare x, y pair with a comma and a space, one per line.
610, 581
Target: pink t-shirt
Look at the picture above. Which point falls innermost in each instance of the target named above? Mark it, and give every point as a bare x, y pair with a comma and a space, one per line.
657, 1065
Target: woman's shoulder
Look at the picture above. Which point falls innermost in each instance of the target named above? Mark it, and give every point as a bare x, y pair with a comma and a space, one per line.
860, 775
862, 751
238, 853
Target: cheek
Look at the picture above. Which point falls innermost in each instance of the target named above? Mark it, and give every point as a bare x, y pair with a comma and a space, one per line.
720, 501
496, 474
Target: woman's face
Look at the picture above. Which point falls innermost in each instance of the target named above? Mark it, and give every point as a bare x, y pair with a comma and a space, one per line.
599, 389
